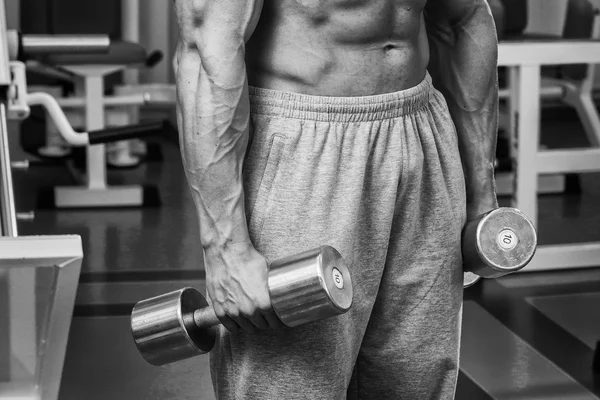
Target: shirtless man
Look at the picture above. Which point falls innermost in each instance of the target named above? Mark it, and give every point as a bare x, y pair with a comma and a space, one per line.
368, 125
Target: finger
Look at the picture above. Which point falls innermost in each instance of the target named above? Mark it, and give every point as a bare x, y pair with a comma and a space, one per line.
244, 323
259, 321
273, 320
228, 322
224, 318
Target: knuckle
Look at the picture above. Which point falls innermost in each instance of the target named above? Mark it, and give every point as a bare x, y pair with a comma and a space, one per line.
232, 312
218, 309
264, 304
248, 311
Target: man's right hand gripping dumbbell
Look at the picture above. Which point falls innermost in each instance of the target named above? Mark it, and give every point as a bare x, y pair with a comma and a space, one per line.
302, 288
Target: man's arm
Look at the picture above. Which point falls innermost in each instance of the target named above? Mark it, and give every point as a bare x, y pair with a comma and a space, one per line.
463, 65
213, 120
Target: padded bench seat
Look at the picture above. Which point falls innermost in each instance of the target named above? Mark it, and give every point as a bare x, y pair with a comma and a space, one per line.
119, 53
531, 37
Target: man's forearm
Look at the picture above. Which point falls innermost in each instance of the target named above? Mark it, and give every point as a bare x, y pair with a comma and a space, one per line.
213, 114
464, 68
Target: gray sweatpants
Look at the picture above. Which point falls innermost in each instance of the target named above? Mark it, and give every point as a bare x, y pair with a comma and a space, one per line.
380, 179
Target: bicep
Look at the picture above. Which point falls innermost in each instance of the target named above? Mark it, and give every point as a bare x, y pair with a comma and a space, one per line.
204, 22
453, 12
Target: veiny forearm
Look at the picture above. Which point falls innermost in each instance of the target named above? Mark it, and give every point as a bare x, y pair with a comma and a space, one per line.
463, 65
213, 114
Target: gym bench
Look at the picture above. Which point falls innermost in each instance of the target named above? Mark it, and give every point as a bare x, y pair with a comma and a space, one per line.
524, 61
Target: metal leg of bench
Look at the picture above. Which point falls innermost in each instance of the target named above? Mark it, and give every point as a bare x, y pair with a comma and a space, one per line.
525, 122
96, 193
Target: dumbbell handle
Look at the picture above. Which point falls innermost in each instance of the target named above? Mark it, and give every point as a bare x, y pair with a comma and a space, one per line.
303, 288
206, 317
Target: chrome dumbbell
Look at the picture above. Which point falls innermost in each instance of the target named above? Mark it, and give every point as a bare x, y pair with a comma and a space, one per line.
497, 243
306, 287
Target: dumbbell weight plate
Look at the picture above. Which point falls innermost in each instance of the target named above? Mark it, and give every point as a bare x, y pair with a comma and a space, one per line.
163, 327
310, 286
303, 288
501, 242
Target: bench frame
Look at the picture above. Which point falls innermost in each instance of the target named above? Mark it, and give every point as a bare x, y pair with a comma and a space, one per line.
524, 61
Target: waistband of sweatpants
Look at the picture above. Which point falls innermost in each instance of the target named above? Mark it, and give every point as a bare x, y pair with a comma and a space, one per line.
342, 109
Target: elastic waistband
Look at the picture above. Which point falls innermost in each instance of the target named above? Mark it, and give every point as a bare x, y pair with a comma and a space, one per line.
348, 109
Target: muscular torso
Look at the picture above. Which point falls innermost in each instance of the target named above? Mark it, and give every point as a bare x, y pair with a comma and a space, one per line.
338, 47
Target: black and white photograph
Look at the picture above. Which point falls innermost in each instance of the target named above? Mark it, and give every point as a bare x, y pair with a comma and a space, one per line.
299, 199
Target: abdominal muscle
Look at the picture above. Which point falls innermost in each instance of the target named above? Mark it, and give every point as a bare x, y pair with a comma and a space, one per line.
338, 47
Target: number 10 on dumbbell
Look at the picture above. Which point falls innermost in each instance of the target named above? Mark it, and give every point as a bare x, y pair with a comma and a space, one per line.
303, 288
497, 243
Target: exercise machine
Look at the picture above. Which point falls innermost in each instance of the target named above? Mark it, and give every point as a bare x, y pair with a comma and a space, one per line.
96, 191
524, 60
38, 274
88, 107
577, 92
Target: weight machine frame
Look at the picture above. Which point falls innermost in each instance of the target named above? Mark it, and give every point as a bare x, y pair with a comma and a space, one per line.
524, 61
41, 357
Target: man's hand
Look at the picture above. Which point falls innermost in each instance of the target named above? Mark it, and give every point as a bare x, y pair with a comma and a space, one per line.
236, 281
213, 114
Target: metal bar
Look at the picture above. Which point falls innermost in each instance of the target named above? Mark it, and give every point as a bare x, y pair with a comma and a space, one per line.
64, 44
588, 114
5, 77
130, 31
138, 99
8, 218
22, 311
525, 138
547, 92
587, 85
8, 215
114, 196
35, 248
94, 117
580, 160
20, 165
59, 324
30, 253
564, 256
555, 52
59, 118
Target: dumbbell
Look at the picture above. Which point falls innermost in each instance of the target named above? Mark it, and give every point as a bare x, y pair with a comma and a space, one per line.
497, 243
303, 288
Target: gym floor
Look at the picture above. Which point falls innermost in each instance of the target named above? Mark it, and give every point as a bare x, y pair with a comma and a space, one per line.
527, 336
